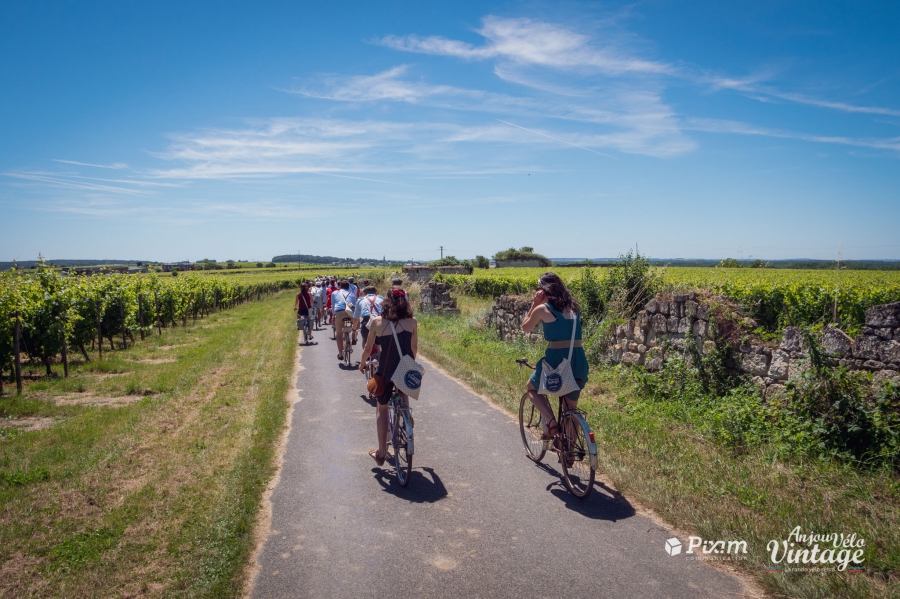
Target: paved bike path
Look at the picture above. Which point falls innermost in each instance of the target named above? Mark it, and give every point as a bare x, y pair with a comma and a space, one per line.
477, 520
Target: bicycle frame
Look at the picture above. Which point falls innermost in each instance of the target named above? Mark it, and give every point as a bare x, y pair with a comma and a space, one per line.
396, 403
560, 414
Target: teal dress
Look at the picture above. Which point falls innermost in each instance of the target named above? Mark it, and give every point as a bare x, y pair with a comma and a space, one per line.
561, 330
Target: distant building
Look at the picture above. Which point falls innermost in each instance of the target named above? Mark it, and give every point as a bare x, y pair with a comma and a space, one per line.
181, 266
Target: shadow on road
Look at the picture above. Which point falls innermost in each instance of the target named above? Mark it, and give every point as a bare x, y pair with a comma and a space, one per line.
343, 366
371, 402
421, 489
603, 503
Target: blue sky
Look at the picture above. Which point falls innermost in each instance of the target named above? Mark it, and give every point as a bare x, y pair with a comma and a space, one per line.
230, 130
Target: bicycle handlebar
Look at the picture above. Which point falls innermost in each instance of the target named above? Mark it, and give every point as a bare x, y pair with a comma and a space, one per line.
524, 362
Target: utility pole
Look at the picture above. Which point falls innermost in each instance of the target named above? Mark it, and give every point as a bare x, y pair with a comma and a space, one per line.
442, 252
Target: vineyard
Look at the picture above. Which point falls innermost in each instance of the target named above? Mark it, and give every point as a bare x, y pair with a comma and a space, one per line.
57, 315
774, 298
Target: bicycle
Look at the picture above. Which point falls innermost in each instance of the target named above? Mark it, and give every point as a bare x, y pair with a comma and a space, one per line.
314, 318
303, 325
347, 328
574, 443
400, 427
371, 368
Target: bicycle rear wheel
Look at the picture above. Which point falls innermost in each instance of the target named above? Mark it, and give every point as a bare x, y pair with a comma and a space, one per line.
306, 331
531, 427
578, 468
347, 349
402, 445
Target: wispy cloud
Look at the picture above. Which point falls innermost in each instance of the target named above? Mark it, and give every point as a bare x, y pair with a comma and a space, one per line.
726, 126
527, 41
65, 181
117, 166
757, 90
635, 118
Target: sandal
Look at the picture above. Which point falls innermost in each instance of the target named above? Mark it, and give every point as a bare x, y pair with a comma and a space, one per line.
378, 460
552, 432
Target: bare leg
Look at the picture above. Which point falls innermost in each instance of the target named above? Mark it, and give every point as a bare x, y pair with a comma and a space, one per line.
542, 404
340, 344
381, 419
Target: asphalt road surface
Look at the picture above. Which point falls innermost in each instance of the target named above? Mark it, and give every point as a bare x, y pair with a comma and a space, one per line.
478, 518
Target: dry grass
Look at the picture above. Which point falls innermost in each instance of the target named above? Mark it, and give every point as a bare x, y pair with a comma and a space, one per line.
691, 482
151, 493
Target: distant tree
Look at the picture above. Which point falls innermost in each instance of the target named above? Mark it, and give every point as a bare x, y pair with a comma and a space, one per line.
174, 271
759, 264
229, 264
729, 263
445, 261
271, 265
523, 253
139, 263
259, 265
482, 262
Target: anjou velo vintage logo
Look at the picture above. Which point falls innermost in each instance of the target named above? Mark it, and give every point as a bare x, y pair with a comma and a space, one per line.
802, 552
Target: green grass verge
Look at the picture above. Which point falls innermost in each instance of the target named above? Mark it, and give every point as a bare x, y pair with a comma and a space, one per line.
692, 482
155, 490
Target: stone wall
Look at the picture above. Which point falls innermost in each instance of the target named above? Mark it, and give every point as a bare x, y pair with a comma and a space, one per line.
667, 323
506, 316
435, 297
422, 274
672, 322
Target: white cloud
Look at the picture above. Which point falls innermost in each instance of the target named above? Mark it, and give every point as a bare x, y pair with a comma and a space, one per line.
753, 87
726, 126
117, 165
527, 41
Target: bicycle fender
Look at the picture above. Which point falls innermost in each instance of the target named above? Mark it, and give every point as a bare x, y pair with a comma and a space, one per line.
410, 445
592, 447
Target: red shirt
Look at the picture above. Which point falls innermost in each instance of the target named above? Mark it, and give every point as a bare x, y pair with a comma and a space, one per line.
328, 293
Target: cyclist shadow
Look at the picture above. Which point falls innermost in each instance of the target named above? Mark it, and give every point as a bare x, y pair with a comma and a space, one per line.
371, 402
343, 366
421, 489
604, 503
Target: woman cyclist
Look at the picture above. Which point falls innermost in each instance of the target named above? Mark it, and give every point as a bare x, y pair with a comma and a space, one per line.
555, 307
303, 303
397, 311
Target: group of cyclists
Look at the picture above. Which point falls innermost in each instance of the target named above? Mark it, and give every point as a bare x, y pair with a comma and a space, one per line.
389, 331
341, 303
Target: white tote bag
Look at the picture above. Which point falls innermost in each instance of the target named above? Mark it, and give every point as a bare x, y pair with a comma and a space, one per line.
408, 376
560, 380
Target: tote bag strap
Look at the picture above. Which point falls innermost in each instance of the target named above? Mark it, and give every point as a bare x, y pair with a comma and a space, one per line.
572, 342
397, 341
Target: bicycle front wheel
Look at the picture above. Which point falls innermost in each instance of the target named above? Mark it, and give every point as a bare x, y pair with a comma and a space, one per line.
578, 467
402, 442
347, 349
531, 427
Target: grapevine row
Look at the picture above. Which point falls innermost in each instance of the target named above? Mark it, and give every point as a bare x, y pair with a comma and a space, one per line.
58, 314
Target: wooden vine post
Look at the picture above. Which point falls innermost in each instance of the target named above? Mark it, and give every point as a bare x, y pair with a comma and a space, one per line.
141, 314
17, 358
99, 332
122, 316
65, 350
158, 319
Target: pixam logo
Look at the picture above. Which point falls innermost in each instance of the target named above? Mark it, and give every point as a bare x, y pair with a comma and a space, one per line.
709, 550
